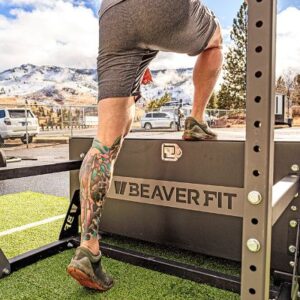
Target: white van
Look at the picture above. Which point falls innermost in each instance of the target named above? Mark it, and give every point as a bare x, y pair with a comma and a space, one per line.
13, 124
158, 120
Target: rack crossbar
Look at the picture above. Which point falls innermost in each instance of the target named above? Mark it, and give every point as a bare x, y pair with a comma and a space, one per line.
27, 171
36, 255
283, 193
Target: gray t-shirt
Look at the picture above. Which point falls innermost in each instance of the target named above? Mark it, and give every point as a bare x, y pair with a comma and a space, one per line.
107, 4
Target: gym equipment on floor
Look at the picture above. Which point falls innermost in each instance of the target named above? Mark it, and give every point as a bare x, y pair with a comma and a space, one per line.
228, 199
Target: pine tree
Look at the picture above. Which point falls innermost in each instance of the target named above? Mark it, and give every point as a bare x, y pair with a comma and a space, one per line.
233, 89
164, 99
157, 103
213, 101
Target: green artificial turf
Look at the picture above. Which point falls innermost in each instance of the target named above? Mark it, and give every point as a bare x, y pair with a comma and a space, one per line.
28, 207
188, 257
47, 279
25, 208
23, 241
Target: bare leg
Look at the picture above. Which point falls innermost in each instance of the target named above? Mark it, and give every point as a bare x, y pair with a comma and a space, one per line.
115, 118
206, 72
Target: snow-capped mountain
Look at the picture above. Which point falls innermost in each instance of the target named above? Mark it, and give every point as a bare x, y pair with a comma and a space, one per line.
177, 82
49, 84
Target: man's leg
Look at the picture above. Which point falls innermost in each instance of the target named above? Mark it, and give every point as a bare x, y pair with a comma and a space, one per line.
115, 118
205, 75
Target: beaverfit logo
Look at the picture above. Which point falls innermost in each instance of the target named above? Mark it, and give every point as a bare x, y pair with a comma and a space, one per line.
214, 199
181, 195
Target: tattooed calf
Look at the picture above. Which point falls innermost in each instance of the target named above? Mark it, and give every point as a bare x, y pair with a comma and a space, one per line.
95, 177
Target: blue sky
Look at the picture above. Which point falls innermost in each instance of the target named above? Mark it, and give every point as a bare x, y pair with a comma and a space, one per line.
65, 32
30, 5
225, 12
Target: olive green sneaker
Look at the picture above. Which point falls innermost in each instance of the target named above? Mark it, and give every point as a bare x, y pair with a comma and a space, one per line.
195, 131
86, 268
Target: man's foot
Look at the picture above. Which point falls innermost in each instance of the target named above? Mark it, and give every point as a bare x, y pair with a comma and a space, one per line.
195, 131
86, 268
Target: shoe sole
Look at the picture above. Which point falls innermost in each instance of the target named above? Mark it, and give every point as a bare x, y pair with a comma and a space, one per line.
204, 137
84, 280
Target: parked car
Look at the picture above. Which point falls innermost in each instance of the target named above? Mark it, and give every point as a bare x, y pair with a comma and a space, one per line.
158, 120
13, 124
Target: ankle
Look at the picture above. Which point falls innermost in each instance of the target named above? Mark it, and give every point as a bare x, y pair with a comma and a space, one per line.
92, 247
199, 118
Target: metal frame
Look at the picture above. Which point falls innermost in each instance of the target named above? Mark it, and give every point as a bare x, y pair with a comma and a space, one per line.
185, 271
27, 171
70, 229
283, 192
259, 150
65, 241
285, 204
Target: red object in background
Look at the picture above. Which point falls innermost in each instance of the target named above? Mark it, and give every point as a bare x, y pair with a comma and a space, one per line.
147, 78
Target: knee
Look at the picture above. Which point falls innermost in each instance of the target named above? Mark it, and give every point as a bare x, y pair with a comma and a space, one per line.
216, 41
98, 161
